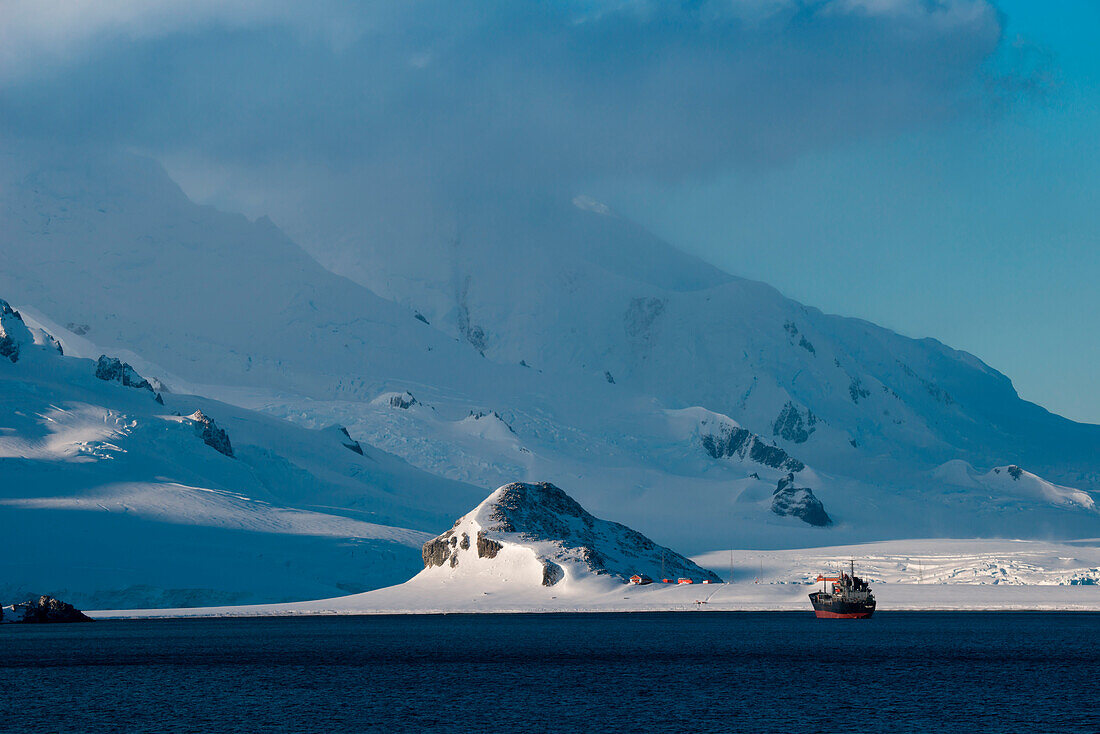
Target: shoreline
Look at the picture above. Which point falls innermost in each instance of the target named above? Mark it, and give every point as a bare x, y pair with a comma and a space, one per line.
413, 598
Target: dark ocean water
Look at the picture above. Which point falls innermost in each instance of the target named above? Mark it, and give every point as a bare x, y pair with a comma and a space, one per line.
691, 672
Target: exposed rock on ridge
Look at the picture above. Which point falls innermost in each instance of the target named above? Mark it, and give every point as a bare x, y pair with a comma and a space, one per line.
565, 539
13, 332
792, 425
346, 440
112, 369
730, 441
800, 502
211, 435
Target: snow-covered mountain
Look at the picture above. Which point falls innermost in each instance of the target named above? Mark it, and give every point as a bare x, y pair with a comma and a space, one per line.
534, 341
114, 494
537, 534
573, 287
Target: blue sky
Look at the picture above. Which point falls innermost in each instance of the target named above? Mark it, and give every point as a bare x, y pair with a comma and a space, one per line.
930, 165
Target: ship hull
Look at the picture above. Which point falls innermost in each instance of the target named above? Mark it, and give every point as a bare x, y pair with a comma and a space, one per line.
830, 607
823, 614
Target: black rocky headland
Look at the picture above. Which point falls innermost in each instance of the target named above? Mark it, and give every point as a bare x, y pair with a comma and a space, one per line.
45, 610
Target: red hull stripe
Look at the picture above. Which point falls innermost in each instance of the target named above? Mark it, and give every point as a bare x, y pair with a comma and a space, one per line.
822, 614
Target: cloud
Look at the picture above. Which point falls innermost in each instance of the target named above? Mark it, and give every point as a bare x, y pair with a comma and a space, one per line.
37, 35
489, 89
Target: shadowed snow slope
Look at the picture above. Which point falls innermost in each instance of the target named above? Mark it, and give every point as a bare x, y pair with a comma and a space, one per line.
110, 497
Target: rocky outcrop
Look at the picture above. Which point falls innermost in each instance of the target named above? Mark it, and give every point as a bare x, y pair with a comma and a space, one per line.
112, 369
13, 333
791, 425
487, 548
640, 319
404, 400
473, 333
856, 390
481, 414
346, 440
437, 550
210, 433
564, 538
730, 441
45, 609
793, 501
552, 573
47, 340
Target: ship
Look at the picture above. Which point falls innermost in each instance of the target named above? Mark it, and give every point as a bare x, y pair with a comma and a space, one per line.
849, 598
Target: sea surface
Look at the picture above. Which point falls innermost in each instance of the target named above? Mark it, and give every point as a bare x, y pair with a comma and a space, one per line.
683, 672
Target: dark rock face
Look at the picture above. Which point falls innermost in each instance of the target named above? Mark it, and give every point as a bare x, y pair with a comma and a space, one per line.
211, 435
730, 441
12, 332
640, 319
403, 401
48, 610
351, 444
856, 390
552, 573
112, 369
792, 426
437, 550
479, 414
800, 502
1015, 472
487, 548
9, 348
54, 343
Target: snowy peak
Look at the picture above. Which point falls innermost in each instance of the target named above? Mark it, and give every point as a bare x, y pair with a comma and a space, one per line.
538, 534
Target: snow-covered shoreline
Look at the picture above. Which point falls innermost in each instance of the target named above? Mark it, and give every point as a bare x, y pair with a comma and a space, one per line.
721, 597
1019, 573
